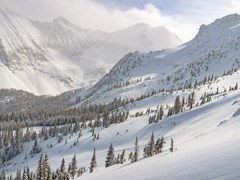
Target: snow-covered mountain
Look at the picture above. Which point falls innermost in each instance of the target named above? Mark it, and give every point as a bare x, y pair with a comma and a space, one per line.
50, 58
202, 74
212, 53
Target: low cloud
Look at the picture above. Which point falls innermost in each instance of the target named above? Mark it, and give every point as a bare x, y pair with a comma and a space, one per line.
92, 15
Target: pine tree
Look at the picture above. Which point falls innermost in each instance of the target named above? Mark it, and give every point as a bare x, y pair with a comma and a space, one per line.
18, 175
122, 157
61, 173
93, 163
177, 105
46, 169
98, 136
40, 168
149, 150
74, 168
80, 134
25, 177
118, 159
182, 104
62, 167
236, 86
136, 151
159, 145
130, 156
161, 113
11, 177
69, 168
171, 148
36, 148
110, 160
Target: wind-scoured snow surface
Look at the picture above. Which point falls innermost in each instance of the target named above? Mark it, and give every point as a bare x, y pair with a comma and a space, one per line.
50, 58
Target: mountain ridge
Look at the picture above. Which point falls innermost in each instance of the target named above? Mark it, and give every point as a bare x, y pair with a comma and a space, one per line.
59, 55
195, 60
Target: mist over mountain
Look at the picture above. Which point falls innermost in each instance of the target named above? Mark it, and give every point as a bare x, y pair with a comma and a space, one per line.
53, 57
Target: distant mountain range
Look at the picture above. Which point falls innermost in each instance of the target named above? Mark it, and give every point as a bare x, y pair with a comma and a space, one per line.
214, 52
50, 58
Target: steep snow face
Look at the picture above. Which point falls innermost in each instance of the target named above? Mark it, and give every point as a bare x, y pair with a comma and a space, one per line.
213, 52
49, 58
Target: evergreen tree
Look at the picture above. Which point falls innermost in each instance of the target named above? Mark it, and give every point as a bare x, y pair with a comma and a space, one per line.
25, 177
182, 104
236, 86
47, 174
161, 113
19, 175
177, 105
159, 145
40, 171
136, 151
11, 177
130, 156
80, 134
36, 148
62, 175
74, 168
62, 167
69, 168
98, 136
110, 160
122, 157
149, 150
93, 163
28, 172
118, 159
171, 148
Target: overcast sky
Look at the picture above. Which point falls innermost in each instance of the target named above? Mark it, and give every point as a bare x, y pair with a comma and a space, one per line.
182, 17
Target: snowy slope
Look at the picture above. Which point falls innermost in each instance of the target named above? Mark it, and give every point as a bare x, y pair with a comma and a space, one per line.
206, 142
49, 58
213, 52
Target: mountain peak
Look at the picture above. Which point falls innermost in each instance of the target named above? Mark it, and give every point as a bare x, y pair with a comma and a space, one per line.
61, 20
221, 29
141, 25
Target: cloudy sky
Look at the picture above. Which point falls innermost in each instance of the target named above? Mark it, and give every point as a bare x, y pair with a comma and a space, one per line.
182, 17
